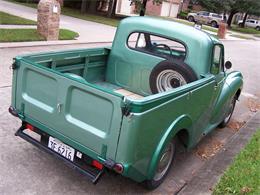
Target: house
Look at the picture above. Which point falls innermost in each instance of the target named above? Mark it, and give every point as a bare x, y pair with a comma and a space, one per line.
168, 8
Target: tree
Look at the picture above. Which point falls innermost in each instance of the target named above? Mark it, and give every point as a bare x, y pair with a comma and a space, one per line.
111, 8
251, 7
141, 5
227, 6
83, 6
231, 6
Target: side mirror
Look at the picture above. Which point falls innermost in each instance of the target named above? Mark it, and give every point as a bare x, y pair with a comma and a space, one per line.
228, 65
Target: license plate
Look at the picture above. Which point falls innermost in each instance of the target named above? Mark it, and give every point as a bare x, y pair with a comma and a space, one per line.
61, 148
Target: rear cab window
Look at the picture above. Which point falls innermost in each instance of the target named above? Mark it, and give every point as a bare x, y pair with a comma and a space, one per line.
156, 45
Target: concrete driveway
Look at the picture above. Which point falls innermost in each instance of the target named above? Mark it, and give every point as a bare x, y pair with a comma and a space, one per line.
88, 31
27, 170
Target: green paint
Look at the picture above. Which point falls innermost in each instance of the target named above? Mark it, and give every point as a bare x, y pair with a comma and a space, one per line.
70, 95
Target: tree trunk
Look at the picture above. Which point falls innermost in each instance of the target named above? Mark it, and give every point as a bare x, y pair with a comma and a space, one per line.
232, 13
143, 8
92, 6
244, 20
111, 8
83, 6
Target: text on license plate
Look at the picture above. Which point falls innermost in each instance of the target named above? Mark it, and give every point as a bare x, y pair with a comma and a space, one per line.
61, 148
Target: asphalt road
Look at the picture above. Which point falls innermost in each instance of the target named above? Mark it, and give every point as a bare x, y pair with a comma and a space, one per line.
27, 170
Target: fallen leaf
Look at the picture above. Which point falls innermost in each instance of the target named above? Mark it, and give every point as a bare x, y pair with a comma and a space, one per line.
245, 190
209, 150
253, 104
235, 125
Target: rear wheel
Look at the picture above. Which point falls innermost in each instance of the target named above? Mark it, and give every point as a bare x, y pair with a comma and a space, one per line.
257, 28
163, 166
228, 114
191, 18
214, 24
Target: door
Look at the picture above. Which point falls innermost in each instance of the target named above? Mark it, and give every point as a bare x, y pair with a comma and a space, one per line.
203, 17
217, 69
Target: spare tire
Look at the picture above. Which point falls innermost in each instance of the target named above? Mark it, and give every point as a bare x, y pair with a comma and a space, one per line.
168, 75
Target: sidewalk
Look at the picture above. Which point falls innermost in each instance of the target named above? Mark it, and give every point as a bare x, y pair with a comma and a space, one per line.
88, 31
209, 174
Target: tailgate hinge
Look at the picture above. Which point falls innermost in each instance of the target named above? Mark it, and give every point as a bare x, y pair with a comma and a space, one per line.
14, 65
125, 108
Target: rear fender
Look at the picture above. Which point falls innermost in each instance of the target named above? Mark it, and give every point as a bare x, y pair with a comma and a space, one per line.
182, 122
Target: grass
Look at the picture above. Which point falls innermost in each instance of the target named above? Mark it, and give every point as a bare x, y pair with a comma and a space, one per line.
204, 27
104, 20
93, 18
22, 35
245, 30
114, 22
6, 18
77, 14
240, 36
243, 176
32, 5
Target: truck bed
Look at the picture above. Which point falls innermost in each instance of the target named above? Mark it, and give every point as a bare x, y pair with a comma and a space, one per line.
87, 66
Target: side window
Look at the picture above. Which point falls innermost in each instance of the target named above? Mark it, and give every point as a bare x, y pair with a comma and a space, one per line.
217, 63
137, 40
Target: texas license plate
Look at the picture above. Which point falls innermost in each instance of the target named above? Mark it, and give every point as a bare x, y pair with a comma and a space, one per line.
61, 148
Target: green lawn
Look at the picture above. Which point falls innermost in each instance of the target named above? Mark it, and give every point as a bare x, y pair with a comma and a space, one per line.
245, 30
94, 18
241, 36
204, 27
6, 18
243, 176
77, 14
114, 22
22, 35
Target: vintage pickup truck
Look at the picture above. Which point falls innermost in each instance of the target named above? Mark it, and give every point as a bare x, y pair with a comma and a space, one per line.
123, 108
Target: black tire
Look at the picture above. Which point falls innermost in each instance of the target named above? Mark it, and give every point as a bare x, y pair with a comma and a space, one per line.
191, 19
240, 25
156, 181
214, 24
257, 28
168, 75
228, 115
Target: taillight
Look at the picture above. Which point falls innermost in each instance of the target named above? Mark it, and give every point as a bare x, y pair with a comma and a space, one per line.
29, 126
97, 164
118, 168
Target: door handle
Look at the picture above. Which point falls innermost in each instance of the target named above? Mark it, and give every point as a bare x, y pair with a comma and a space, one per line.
59, 107
216, 86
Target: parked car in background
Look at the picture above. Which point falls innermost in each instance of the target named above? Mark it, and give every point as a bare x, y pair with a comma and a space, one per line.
212, 19
252, 23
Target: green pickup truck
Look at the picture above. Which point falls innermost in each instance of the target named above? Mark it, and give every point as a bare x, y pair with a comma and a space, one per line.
123, 108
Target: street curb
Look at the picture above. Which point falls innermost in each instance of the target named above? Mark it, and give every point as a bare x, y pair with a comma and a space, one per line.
47, 43
209, 174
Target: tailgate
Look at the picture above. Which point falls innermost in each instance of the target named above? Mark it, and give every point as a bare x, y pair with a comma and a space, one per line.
80, 112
